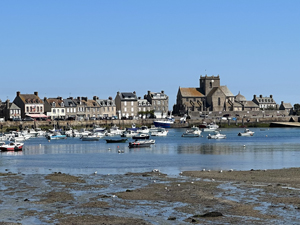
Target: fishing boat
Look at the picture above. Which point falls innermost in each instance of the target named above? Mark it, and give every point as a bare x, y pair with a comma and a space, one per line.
12, 146
122, 140
246, 132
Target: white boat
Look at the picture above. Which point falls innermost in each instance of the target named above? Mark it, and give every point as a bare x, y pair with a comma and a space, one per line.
114, 131
210, 127
246, 132
141, 136
129, 133
160, 132
12, 146
141, 143
91, 137
216, 135
143, 130
192, 132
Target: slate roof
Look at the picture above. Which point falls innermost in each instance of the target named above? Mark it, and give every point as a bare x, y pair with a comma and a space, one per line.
30, 98
190, 92
69, 103
106, 102
57, 102
251, 104
128, 96
226, 91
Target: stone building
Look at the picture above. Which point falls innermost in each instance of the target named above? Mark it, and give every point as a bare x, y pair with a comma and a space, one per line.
265, 102
70, 108
30, 105
210, 96
9, 110
126, 104
241, 104
159, 102
107, 107
144, 108
55, 107
87, 108
286, 107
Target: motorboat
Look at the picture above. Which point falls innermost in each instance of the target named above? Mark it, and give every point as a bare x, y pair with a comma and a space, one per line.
129, 133
114, 131
12, 146
91, 137
141, 136
132, 128
164, 123
192, 132
141, 143
122, 140
56, 135
143, 130
160, 132
216, 135
246, 132
210, 127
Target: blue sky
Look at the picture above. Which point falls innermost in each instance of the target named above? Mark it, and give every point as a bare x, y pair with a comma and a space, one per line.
87, 48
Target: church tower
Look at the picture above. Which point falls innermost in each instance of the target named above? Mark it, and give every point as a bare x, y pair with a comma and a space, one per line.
207, 83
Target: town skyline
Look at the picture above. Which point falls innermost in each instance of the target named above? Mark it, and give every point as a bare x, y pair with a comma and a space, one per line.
99, 48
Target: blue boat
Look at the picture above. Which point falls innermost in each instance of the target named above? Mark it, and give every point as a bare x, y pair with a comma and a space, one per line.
56, 135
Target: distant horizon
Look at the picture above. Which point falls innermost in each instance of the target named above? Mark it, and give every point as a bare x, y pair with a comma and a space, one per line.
97, 48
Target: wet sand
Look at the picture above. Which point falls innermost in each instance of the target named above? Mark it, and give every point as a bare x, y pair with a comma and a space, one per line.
193, 197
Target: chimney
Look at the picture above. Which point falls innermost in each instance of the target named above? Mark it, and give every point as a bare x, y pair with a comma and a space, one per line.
60, 98
78, 98
95, 98
70, 98
149, 93
7, 103
18, 93
110, 98
271, 96
45, 99
260, 96
134, 92
36, 93
254, 96
139, 98
281, 102
118, 93
162, 92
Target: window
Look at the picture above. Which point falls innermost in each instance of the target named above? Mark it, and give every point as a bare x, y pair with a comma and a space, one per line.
62, 104
41, 109
219, 101
131, 103
30, 108
27, 109
11, 112
144, 109
57, 111
158, 102
75, 110
132, 109
62, 110
125, 103
139, 109
67, 110
53, 104
125, 109
210, 84
38, 109
53, 110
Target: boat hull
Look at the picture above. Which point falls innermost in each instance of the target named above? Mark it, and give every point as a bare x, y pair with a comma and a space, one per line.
116, 140
162, 124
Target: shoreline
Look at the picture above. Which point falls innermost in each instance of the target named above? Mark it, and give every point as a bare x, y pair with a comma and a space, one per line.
192, 197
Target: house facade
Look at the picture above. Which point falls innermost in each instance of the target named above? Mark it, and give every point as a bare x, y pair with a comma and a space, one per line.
70, 108
265, 102
126, 104
30, 105
55, 108
144, 108
9, 110
159, 102
107, 107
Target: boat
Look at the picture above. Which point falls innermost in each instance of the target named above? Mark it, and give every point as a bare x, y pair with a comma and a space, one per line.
114, 131
129, 133
56, 135
210, 127
122, 140
91, 137
140, 144
216, 135
159, 132
143, 130
246, 132
12, 146
192, 132
164, 123
141, 136
132, 128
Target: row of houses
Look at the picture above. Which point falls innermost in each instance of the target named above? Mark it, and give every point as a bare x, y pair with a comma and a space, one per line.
211, 96
125, 105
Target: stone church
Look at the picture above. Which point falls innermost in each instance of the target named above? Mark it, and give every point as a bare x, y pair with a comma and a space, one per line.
210, 96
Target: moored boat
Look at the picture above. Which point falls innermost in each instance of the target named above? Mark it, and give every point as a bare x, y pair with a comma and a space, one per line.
12, 146
140, 144
141, 136
92, 137
216, 135
210, 127
164, 123
192, 132
122, 140
246, 132
160, 132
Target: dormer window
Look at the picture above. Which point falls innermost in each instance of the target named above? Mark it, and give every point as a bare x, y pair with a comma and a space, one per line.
62, 104
53, 104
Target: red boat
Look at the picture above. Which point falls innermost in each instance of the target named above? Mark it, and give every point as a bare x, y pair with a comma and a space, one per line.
12, 146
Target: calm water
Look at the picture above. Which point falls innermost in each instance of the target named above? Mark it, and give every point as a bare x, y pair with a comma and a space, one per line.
269, 149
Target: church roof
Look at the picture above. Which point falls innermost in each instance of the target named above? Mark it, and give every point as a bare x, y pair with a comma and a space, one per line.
190, 92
